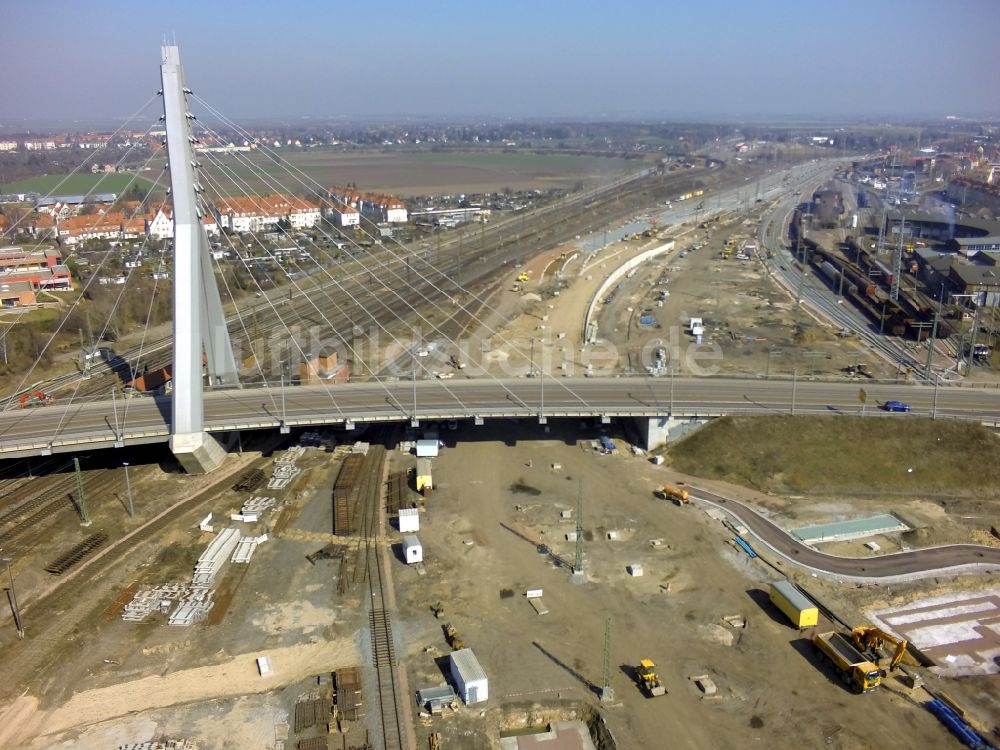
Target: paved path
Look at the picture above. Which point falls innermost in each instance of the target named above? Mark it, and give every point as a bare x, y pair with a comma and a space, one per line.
899, 565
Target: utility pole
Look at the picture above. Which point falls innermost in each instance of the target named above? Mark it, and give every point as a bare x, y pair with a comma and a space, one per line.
128, 487
930, 341
671, 389
607, 694
897, 265
578, 562
80, 499
795, 382
12, 599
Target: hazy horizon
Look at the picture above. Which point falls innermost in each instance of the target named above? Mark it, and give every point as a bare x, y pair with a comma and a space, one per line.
307, 60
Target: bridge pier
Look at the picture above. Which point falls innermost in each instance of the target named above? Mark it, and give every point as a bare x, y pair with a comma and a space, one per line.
659, 431
197, 452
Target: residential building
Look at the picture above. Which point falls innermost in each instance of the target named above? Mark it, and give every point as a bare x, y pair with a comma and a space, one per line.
8, 145
375, 206
41, 144
40, 226
92, 141
344, 215
256, 213
161, 226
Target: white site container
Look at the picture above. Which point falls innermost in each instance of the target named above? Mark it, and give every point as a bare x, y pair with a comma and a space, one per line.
427, 448
264, 665
413, 552
469, 677
409, 520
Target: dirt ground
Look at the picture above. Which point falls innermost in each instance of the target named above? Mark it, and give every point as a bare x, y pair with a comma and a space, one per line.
500, 491
486, 502
755, 324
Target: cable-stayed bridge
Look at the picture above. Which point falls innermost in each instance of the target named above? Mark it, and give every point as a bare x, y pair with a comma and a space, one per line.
208, 400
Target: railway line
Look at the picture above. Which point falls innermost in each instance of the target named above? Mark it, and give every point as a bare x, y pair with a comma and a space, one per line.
368, 567
26, 511
459, 261
52, 619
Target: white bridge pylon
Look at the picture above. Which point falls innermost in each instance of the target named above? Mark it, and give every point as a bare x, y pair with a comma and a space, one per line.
199, 324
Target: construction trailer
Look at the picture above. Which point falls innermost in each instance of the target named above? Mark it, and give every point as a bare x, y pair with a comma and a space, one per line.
424, 478
796, 606
427, 448
413, 551
469, 677
409, 520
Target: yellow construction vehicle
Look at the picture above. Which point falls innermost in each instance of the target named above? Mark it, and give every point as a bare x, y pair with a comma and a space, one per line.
453, 638
522, 277
646, 672
871, 640
672, 492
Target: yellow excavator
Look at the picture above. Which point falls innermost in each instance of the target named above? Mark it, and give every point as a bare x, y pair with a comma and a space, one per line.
646, 672
872, 640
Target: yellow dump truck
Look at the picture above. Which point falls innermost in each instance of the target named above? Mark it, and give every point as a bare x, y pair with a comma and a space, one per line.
854, 669
796, 606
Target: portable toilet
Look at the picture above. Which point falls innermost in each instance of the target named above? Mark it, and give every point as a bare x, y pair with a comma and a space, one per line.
413, 552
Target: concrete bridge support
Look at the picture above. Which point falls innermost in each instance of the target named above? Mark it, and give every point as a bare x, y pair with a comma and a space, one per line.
659, 431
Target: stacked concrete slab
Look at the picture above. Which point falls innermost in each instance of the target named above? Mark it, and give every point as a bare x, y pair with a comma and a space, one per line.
214, 557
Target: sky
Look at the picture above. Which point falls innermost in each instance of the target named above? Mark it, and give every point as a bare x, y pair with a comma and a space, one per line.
260, 59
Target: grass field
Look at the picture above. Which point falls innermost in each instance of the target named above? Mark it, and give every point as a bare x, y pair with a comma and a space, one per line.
415, 173
844, 454
76, 184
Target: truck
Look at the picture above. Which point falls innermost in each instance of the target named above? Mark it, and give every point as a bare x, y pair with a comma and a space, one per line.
854, 669
794, 604
672, 492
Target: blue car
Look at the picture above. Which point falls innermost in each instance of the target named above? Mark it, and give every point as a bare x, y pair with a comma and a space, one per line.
895, 406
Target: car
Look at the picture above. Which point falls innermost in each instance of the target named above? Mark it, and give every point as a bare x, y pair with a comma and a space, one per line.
895, 406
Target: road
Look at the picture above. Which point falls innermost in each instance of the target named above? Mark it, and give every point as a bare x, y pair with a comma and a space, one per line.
60, 427
898, 565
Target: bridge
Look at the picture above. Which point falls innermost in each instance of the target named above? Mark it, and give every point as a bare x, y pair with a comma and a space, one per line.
208, 401
144, 420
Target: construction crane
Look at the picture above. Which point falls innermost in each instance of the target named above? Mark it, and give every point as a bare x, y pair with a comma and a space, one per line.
871, 639
646, 672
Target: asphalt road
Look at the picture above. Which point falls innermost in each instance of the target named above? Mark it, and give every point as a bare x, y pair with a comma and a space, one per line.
144, 419
914, 563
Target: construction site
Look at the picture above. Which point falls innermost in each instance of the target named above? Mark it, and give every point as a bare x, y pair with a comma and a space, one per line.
545, 584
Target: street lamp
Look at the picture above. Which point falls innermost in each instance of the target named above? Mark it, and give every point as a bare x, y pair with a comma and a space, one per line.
128, 486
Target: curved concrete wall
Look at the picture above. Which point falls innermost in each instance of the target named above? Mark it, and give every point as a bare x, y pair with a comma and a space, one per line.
617, 274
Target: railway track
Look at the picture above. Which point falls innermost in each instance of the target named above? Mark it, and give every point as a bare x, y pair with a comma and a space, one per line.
459, 261
368, 566
52, 622
22, 523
